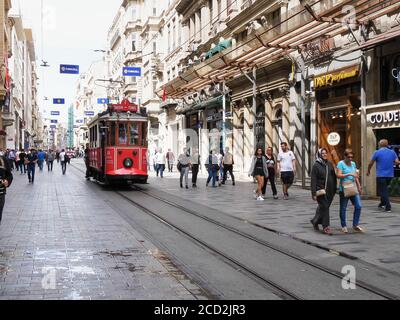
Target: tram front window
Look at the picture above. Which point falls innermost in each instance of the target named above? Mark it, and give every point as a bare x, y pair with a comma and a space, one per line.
123, 133
134, 134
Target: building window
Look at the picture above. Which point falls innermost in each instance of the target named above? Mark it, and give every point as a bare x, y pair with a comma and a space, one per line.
169, 38
173, 34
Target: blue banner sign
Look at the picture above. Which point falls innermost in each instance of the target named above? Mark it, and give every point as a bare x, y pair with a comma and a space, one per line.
55, 113
103, 101
53, 121
132, 72
53, 127
79, 121
89, 113
69, 69
76, 127
58, 101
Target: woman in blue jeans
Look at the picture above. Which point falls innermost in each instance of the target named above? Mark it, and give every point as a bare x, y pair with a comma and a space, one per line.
347, 173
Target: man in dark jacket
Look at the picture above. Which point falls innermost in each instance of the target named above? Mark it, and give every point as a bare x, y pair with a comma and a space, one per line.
6, 179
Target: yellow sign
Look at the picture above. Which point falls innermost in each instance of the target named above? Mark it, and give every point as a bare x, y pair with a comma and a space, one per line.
334, 78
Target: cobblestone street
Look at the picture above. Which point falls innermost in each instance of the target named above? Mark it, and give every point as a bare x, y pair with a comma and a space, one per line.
58, 240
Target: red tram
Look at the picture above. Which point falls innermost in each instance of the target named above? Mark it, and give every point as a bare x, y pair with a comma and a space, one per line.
118, 145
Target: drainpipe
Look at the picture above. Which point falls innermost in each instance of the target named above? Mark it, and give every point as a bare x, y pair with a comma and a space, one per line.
255, 106
223, 117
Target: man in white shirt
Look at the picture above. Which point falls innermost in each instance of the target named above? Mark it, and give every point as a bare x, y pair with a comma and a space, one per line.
160, 162
287, 168
63, 160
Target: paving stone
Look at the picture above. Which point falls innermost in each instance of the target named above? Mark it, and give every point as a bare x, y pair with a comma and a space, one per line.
58, 227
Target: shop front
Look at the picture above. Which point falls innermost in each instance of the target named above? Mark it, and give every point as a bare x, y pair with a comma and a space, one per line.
383, 122
339, 112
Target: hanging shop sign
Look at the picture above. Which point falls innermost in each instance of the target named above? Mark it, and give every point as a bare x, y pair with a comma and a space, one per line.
334, 139
384, 117
333, 78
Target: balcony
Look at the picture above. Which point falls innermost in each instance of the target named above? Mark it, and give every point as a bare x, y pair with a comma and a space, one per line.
133, 56
131, 88
8, 119
132, 26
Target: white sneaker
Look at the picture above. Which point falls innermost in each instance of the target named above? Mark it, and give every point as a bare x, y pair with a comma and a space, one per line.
260, 198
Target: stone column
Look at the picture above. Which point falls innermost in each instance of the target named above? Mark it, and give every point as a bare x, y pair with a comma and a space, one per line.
285, 113
248, 134
198, 35
269, 128
205, 21
185, 33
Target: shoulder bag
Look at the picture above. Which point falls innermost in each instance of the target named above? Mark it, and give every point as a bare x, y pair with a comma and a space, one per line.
322, 192
349, 189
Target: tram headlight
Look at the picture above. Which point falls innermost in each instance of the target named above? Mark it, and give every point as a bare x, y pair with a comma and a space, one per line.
128, 163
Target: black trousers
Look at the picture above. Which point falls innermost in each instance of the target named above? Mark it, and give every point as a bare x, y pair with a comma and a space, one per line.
228, 168
2, 202
87, 163
322, 215
195, 173
271, 178
170, 166
64, 166
50, 165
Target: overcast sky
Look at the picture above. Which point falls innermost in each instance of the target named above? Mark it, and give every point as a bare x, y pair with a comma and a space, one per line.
72, 29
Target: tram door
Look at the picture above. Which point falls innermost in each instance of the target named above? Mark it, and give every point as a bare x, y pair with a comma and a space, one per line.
103, 145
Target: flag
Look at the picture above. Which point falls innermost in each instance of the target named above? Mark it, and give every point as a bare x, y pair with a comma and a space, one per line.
164, 98
7, 80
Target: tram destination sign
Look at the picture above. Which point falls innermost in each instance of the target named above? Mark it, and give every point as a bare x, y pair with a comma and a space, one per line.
389, 117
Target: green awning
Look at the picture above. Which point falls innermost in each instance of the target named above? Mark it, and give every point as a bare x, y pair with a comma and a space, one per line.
211, 103
218, 48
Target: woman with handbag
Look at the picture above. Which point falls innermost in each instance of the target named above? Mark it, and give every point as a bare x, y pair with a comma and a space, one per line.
259, 170
350, 189
323, 189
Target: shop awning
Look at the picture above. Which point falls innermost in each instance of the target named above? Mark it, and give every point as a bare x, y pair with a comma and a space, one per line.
211, 103
303, 25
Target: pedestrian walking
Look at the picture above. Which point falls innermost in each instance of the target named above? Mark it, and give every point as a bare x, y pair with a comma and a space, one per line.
350, 189
385, 160
58, 156
11, 158
64, 160
22, 166
272, 169
31, 161
6, 179
183, 167
220, 171
212, 166
259, 170
323, 190
50, 157
41, 158
16, 160
195, 161
227, 164
287, 168
171, 160
160, 160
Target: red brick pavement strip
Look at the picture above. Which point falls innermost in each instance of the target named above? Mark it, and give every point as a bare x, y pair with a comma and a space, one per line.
58, 229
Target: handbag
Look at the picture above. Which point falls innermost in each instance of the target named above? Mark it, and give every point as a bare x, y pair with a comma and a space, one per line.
179, 166
322, 192
349, 189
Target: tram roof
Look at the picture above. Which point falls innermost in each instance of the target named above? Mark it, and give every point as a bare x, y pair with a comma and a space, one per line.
118, 116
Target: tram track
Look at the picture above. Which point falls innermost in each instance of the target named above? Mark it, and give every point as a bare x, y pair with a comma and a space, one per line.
269, 245
273, 286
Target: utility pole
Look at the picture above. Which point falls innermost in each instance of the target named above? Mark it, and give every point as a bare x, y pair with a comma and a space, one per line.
223, 117
255, 106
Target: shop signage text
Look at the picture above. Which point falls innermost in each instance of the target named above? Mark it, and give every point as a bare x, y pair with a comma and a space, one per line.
384, 117
336, 77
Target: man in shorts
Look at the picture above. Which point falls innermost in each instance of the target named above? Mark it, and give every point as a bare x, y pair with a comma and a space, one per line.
287, 168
